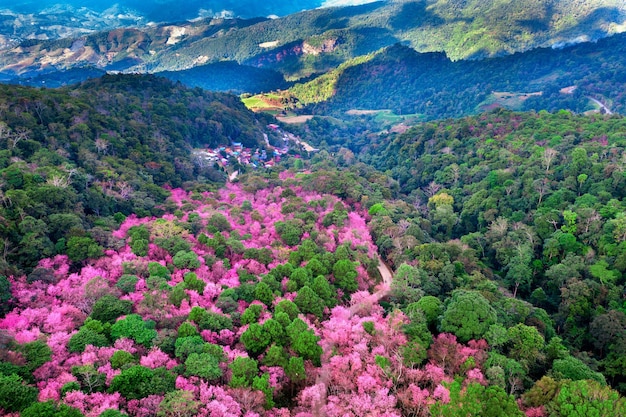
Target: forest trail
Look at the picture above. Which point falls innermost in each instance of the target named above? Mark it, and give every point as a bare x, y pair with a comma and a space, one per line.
387, 275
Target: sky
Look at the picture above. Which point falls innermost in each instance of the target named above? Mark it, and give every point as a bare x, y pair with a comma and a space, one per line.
188, 9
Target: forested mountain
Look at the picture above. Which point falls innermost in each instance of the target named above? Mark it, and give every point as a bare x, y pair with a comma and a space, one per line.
404, 81
444, 257
71, 156
316, 41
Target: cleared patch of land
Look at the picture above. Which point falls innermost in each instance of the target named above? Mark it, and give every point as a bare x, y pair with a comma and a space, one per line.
295, 119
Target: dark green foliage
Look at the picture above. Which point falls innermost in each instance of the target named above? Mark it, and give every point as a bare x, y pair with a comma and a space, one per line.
187, 329
290, 231
158, 270
139, 238
108, 308
262, 383
186, 260
218, 222
308, 302
84, 337
345, 275
14, 394
5, 295
70, 386
468, 316
80, 249
36, 354
127, 283
138, 382
288, 307
255, 339
121, 358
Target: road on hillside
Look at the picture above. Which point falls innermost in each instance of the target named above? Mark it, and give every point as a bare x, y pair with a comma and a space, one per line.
601, 104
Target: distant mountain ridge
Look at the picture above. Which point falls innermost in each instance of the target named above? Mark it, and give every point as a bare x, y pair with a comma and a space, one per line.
315, 41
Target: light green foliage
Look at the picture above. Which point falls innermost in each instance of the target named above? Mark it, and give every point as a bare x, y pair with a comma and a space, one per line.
477, 400
203, 365
50, 409
244, 370
135, 328
406, 287
186, 260
178, 403
586, 398
574, 369
525, 344
262, 383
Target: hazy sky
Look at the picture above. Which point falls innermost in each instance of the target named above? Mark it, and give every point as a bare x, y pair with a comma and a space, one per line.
190, 7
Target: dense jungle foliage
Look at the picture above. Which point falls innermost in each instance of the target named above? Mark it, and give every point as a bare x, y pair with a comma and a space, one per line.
70, 158
433, 86
468, 266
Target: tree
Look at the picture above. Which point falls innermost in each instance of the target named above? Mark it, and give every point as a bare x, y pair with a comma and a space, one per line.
308, 302
574, 369
255, 339
134, 327
203, 365
81, 248
178, 403
139, 382
468, 316
477, 400
243, 372
586, 398
525, 344
406, 287
345, 275
108, 308
15, 395
50, 409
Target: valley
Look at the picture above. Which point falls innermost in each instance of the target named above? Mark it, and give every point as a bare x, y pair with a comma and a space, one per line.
313, 208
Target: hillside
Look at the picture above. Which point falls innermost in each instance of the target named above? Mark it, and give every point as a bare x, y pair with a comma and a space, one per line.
72, 156
316, 41
407, 82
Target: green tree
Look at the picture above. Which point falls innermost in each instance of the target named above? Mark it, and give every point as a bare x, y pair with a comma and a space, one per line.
586, 398
80, 248
406, 286
108, 308
255, 339
308, 302
244, 370
203, 365
15, 395
345, 275
135, 328
468, 316
178, 403
139, 382
50, 409
477, 400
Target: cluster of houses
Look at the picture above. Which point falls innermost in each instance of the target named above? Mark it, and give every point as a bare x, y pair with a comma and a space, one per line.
258, 158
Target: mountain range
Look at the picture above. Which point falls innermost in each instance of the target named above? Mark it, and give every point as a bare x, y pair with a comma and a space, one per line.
312, 42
